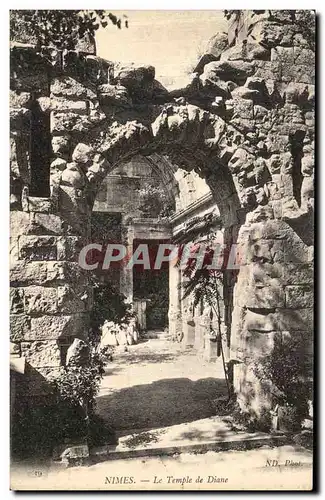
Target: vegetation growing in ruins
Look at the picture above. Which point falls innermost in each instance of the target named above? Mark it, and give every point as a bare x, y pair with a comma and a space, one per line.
204, 284
61, 28
76, 388
155, 202
79, 385
110, 305
285, 371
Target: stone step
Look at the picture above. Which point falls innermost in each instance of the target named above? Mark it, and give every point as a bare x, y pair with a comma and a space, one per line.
210, 434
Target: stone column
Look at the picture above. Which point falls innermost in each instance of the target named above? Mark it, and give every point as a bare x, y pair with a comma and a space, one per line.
174, 311
126, 275
188, 325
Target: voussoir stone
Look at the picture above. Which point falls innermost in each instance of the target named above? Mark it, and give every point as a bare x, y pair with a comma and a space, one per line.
114, 94
236, 71
217, 44
246, 51
82, 153
133, 77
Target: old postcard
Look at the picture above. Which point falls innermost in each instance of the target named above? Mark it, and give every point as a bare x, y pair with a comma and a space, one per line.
161, 249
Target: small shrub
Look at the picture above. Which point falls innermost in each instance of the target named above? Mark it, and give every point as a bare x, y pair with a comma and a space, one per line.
78, 386
288, 369
109, 305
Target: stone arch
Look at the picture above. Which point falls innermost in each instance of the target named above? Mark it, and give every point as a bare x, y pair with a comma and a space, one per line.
239, 174
232, 123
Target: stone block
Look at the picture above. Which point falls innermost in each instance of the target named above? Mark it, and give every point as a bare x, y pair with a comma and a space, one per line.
40, 300
63, 123
245, 51
43, 205
258, 275
36, 223
14, 349
55, 327
47, 224
97, 70
283, 54
295, 250
19, 327
235, 71
19, 223
217, 44
72, 89
115, 95
298, 274
73, 298
269, 70
37, 248
133, 77
16, 300
74, 177
243, 108
294, 319
37, 273
13, 249
41, 354
60, 146
19, 99
258, 344
260, 322
265, 251
36, 382
63, 105
304, 56
260, 113
300, 73
82, 153
267, 297
272, 229
75, 455
299, 296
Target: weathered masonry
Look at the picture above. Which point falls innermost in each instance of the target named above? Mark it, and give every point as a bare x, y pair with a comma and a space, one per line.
244, 123
123, 214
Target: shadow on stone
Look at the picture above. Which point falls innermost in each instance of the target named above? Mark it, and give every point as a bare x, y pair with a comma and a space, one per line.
162, 403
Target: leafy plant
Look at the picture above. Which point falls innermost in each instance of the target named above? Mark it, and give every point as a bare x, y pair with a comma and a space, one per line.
61, 28
288, 368
110, 305
155, 202
202, 283
76, 388
79, 385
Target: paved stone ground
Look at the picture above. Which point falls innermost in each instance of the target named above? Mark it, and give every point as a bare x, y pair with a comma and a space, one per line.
242, 469
156, 384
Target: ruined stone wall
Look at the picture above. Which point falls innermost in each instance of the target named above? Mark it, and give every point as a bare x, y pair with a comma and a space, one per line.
244, 123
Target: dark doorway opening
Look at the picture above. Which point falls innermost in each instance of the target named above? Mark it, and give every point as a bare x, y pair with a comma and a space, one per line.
152, 285
40, 152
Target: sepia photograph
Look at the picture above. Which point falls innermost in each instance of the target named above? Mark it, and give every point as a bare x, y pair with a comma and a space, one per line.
162, 250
